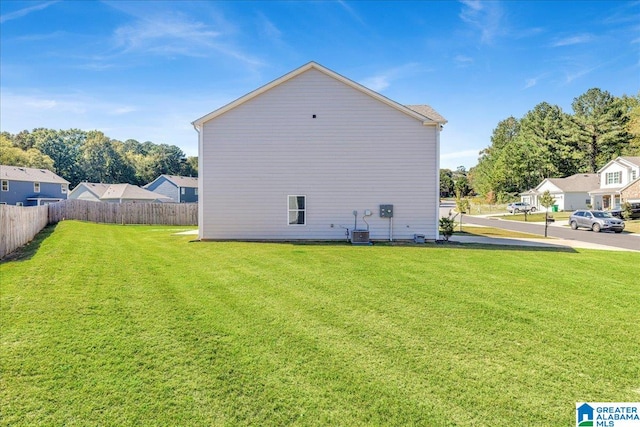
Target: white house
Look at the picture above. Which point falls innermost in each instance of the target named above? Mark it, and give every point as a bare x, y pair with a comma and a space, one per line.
570, 193
614, 177
312, 154
115, 193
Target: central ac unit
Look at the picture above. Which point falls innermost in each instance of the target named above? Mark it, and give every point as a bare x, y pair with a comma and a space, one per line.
360, 237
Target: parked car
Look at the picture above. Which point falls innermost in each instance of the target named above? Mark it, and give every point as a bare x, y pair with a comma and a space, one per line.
520, 207
618, 211
596, 221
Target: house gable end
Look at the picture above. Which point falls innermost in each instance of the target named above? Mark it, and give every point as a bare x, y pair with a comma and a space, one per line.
418, 112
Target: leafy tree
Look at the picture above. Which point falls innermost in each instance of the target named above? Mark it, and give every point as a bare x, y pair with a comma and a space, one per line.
546, 200
491, 173
460, 181
446, 183
627, 211
14, 156
632, 107
463, 206
189, 167
543, 128
103, 160
63, 147
597, 128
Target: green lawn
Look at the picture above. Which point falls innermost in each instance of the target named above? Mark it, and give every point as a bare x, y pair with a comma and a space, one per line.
107, 325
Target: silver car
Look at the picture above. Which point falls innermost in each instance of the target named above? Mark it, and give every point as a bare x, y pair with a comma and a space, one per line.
596, 221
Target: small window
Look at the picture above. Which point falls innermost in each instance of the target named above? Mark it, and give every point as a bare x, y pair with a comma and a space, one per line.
633, 175
36, 187
195, 191
5, 185
63, 188
182, 191
19, 204
297, 210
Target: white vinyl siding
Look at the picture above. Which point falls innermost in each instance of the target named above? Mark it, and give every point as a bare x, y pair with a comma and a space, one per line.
356, 154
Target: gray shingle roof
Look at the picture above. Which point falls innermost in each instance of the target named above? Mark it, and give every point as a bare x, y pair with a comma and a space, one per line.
183, 181
428, 112
580, 182
130, 192
634, 160
17, 173
95, 188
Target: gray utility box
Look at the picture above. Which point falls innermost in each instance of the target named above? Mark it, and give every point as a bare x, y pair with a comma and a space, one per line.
419, 238
360, 237
386, 211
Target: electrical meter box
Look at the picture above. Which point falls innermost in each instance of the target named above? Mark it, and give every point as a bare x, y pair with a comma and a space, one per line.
386, 211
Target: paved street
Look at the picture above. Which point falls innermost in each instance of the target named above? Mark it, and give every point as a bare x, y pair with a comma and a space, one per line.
623, 240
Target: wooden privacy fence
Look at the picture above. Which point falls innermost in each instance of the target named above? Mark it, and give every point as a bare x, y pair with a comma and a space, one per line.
125, 213
19, 225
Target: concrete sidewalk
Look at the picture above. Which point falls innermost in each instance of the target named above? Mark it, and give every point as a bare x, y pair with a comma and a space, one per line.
541, 243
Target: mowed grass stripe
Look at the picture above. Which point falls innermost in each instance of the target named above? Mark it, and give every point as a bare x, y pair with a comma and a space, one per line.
113, 325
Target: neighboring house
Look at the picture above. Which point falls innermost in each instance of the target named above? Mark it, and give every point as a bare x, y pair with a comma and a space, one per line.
180, 189
115, 193
31, 187
570, 193
631, 192
88, 191
296, 158
614, 177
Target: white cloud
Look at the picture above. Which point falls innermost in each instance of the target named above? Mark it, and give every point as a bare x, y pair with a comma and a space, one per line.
168, 34
25, 11
485, 17
122, 110
463, 61
572, 40
268, 28
351, 11
533, 81
377, 83
171, 33
382, 80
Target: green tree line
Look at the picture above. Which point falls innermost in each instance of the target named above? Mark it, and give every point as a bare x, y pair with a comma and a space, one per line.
91, 156
549, 143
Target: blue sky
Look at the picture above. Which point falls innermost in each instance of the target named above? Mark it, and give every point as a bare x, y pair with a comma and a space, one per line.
146, 70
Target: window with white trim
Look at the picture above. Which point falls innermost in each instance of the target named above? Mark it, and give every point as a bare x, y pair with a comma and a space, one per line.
614, 177
63, 188
182, 190
195, 191
297, 210
633, 175
36, 187
19, 204
5, 185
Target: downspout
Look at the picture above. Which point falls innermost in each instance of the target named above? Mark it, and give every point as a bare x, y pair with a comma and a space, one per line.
198, 129
439, 127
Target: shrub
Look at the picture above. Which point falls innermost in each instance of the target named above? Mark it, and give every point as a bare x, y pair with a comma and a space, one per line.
446, 227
